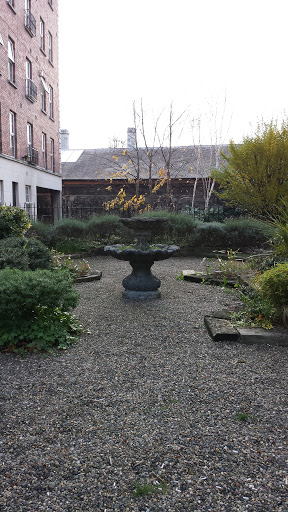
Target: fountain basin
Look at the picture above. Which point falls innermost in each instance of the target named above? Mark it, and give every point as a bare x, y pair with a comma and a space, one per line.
141, 283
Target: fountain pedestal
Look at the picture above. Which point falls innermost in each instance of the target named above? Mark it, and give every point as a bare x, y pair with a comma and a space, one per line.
141, 283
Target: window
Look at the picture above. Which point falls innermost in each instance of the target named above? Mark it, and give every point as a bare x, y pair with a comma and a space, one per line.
27, 194
14, 193
44, 158
29, 140
12, 120
1, 40
51, 102
11, 61
50, 43
42, 35
1, 192
52, 154
31, 88
44, 91
30, 22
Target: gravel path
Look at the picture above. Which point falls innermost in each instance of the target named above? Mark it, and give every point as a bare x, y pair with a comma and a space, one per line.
146, 398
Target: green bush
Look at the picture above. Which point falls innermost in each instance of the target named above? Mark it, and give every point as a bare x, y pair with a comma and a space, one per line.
274, 285
24, 254
70, 228
33, 309
247, 233
103, 226
210, 234
42, 231
13, 221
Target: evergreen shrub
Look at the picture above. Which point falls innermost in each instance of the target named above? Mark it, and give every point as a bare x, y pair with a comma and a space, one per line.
274, 285
33, 309
247, 233
13, 221
24, 254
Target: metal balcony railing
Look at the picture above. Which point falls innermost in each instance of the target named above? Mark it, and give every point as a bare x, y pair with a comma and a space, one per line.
31, 90
30, 22
32, 156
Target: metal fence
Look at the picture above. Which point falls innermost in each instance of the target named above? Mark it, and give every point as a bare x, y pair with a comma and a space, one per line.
51, 214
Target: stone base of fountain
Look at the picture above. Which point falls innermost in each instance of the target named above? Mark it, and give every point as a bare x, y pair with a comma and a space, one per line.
141, 295
141, 284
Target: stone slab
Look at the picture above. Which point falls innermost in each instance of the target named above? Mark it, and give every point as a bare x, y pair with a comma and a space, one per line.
92, 277
260, 336
199, 277
220, 329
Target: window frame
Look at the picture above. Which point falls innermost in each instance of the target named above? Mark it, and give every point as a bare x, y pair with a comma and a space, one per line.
29, 140
44, 150
50, 47
12, 132
42, 35
51, 102
52, 158
11, 60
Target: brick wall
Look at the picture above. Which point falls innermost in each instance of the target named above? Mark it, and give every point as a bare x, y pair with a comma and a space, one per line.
12, 24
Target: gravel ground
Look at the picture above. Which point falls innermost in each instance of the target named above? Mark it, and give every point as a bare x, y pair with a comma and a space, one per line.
146, 398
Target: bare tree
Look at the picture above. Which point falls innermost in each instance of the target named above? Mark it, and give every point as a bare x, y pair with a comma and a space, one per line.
205, 165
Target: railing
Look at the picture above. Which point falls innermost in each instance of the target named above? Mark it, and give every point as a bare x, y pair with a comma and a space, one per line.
31, 90
32, 155
30, 22
47, 213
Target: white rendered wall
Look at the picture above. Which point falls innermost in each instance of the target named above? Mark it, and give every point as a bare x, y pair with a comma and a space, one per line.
15, 171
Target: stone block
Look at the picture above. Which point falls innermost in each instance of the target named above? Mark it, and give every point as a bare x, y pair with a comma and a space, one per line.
220, 329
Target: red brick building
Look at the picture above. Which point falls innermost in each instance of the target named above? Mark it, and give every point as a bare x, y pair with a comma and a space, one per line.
29, 104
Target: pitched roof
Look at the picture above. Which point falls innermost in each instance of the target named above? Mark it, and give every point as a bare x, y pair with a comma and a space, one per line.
103, 164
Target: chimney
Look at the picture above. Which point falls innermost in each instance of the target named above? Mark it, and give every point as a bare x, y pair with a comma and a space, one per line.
131, 138
64, 138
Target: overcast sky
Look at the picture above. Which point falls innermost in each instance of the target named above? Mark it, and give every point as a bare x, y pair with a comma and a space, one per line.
192, 53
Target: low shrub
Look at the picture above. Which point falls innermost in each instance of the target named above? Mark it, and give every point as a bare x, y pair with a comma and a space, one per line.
210, 234
273, 285
33, 309
103, 226
13, 221
247, 233
42, 231
70, 228
24, 254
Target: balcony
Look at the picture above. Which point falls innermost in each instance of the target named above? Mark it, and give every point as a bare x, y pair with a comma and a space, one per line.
31, 90
32, 156
30, 23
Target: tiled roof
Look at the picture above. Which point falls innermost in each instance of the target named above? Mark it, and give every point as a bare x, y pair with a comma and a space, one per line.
103, 164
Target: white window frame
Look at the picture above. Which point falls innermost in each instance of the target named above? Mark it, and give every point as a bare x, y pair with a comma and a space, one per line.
11, 60
51, 105
12, 125
50, 47
29, 139
42, 34
44, 150
52, 163
27, 194
43, 99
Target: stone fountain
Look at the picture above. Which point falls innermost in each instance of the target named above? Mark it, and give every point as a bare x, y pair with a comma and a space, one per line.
141, 283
